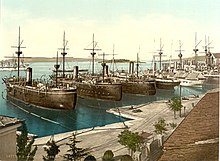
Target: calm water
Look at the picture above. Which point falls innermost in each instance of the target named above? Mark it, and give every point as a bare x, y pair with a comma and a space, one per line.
88, 113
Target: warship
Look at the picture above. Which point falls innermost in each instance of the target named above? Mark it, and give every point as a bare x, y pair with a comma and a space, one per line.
168, 84
38, 93
92, 86
162, 82
135, 84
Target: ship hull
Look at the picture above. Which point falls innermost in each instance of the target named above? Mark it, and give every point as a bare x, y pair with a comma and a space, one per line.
192, 83
141, 88
54, 98
169, 85
103, 91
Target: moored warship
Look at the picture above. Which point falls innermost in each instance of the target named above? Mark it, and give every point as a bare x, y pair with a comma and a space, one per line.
90, 85
168, 84
162, 82
37, 93
135, 84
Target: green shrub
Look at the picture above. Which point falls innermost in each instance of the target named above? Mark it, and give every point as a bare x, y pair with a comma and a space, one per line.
90, 158
173, 125
108, 156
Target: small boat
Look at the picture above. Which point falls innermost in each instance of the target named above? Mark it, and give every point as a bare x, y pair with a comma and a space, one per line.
38, 93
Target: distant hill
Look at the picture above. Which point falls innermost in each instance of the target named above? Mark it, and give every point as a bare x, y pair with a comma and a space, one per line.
67, 59
72, 59
50, 59
116, 61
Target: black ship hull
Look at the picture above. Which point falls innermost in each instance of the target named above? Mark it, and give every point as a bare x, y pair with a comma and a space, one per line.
142, 88
52, 98
167, 84
103, 91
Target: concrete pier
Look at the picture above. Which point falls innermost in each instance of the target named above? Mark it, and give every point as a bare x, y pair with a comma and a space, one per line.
100, 139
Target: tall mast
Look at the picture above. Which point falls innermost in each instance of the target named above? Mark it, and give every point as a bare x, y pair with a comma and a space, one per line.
196, 50
94, 44
64, 52
180, 55
207, 52
103, 66
19, 52
171, 54
93, 54
138, 60
56, 66
113, 59
160, 52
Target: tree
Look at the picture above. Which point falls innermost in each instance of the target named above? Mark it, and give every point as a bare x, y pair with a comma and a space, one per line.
25, 152
52, 150
75, 153
90, 158
108, 156
175, 105
131, 140
160, 126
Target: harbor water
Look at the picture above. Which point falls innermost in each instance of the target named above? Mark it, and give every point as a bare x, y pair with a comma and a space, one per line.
88, 113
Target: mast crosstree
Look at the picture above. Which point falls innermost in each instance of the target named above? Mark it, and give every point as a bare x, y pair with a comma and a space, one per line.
64, 53
180, 55
196, 50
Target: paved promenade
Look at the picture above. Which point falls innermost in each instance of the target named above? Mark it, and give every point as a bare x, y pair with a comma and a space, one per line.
100, 139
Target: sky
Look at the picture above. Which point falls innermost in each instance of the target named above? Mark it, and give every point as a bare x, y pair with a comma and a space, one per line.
131, 26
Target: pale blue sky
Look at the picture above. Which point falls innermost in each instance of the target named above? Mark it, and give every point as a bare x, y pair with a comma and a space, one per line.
198, 10
138, 20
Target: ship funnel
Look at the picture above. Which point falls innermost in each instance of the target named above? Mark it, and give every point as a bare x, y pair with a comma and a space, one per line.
29, 76
131, 67
106, 70
75, 72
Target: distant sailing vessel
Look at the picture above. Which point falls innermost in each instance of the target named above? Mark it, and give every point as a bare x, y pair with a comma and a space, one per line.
12, 66
37, 93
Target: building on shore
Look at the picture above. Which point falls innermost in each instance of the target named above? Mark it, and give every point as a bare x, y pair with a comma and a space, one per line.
216, 59
8, 129
197, 137
188, 63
